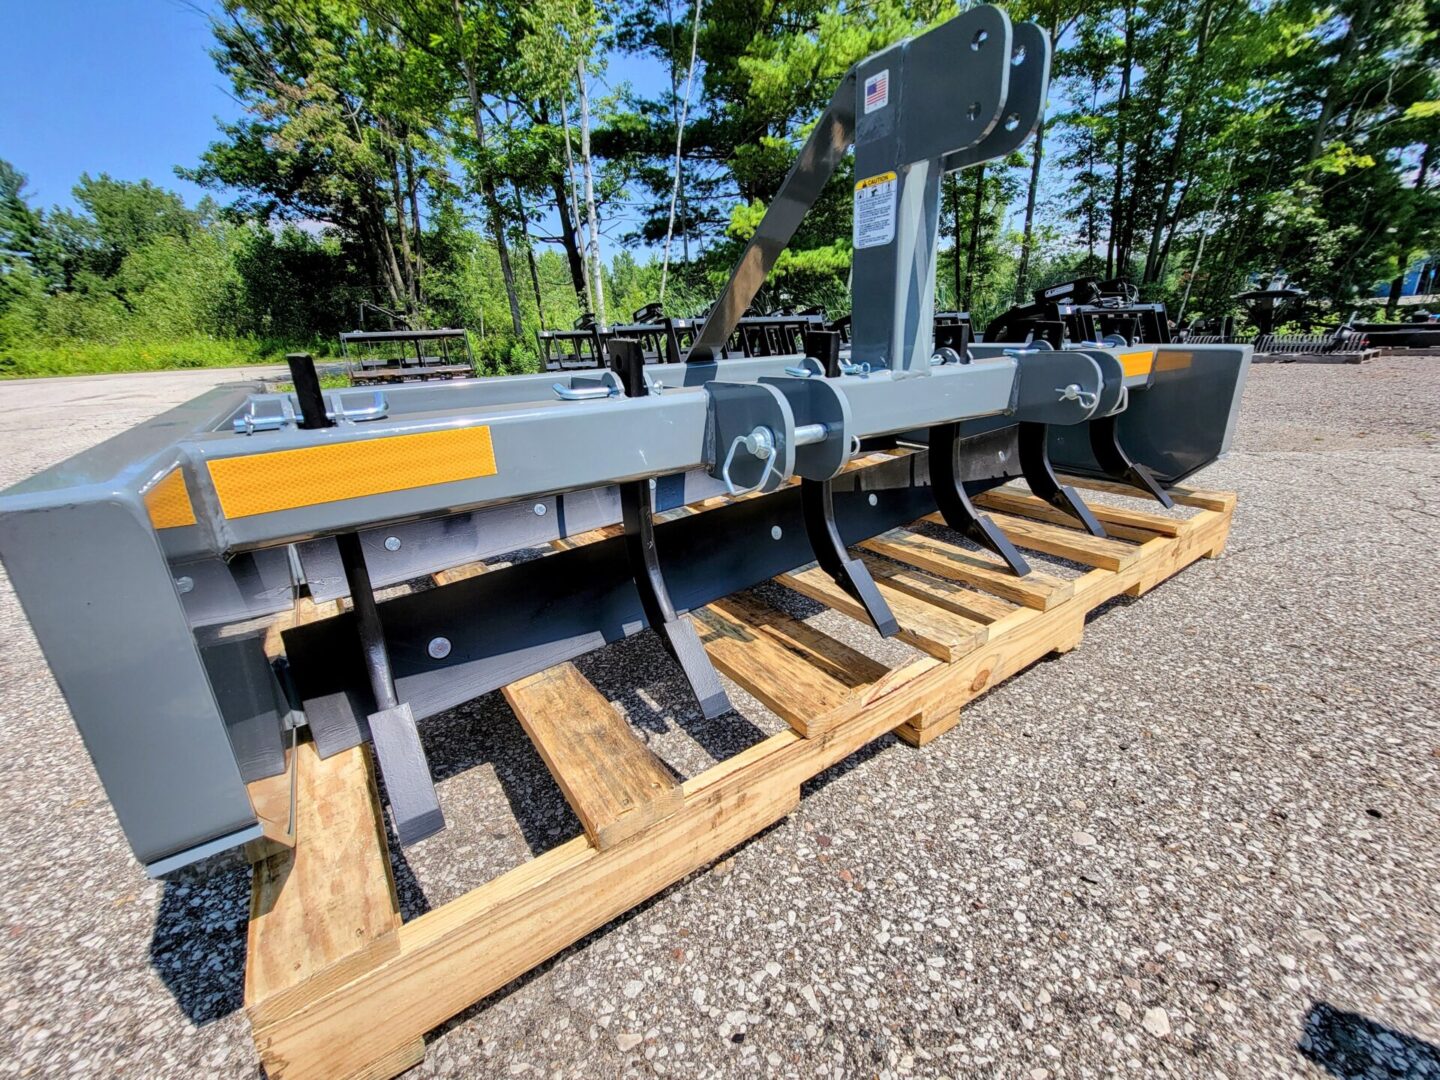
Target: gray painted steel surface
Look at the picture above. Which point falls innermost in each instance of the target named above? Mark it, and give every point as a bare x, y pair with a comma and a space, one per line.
1180, 423
154, 627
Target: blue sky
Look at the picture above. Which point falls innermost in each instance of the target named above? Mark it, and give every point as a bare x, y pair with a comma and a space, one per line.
128, 87
119, 86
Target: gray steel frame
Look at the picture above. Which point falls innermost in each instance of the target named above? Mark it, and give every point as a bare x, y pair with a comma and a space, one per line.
144, 626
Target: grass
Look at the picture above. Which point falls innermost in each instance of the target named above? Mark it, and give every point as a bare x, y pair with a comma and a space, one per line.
96, 358
327, 382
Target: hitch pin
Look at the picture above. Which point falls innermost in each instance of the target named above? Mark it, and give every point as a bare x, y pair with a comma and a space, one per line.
1072, 392
760, 443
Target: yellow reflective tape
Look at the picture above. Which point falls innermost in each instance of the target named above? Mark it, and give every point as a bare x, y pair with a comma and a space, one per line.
1173, 361
286, 479
1137, 363
168, 502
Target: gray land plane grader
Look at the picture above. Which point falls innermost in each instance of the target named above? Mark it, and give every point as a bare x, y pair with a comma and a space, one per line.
150, 565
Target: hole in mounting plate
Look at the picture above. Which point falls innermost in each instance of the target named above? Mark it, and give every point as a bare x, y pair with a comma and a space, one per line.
981, 36
1018, 56
973, 113
1012, 121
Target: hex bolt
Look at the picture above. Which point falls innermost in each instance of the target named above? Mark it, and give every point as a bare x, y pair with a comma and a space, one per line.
439, 648
392, 543
873, 499
185, 584
776, 532
539, 509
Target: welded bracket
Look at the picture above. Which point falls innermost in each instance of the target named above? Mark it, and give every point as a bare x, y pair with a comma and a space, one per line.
749, 435
921, 101
924, 106
1030, 55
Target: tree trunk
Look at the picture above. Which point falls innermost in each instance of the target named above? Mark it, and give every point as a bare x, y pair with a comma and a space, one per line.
1027, 237
575, 200
411, 186
380, 266
1397, 287
394, 280
568, 239
597, 277
565, 209
1092, 181
1392, 300
952, 184
1176, 157
1143, 177
529, 252
1121, 103
407, 260
1199, 254
487, 182
1329, 104
977, 209
1163, 259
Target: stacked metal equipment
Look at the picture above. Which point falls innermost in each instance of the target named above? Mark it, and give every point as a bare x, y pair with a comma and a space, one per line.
386, 356
665, 339
151, 565
1084, 310
1178, 407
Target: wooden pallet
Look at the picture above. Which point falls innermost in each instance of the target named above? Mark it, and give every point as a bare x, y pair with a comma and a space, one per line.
338, 986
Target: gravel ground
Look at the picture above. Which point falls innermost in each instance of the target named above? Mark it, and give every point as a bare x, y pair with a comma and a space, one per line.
1206, 843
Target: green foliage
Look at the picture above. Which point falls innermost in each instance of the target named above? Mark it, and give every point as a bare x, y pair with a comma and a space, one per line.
413, 154
499, 354
142, 282
78, 356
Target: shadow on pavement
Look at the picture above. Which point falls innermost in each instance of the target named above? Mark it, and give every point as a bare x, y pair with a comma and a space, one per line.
1353, 1047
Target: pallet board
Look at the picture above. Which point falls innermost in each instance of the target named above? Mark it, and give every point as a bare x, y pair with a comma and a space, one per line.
361, 1010
614, 784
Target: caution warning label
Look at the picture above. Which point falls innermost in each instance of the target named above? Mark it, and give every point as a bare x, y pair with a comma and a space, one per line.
875, 210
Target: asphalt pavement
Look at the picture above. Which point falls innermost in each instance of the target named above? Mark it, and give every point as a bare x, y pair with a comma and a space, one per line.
1205, 843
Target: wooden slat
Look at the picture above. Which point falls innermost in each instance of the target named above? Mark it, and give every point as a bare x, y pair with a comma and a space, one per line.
931, 629
465, 571
942, 592
330, 898
1036, 634
449, 958
1080, 547
1219, 501
615, 785
270, 799
605, 532
1204, 535
1123, 524
983, 570
348, 1019
807, 678
304, 611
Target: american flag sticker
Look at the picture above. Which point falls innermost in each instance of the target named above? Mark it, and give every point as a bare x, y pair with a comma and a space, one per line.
877, 91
